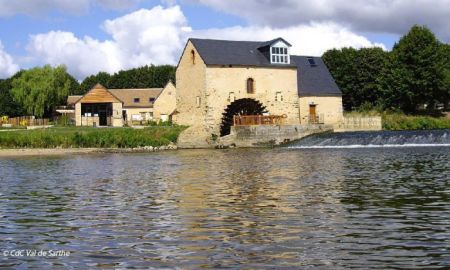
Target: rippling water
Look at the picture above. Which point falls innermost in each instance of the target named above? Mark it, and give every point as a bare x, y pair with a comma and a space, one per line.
248, 209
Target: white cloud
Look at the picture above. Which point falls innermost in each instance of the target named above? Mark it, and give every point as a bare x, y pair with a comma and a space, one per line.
386, 16
38, 7
313, 39
7, 65
143, 37
158, 35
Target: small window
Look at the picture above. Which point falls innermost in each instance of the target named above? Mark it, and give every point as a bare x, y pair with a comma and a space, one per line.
193, 56
250, 86
311, 61
198, 101
278, 96
151, 100
137, 100
231, 97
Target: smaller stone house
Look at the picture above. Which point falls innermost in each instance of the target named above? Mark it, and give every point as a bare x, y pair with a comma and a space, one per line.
116, 107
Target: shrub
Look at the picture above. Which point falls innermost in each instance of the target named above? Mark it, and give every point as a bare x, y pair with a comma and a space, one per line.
90, 137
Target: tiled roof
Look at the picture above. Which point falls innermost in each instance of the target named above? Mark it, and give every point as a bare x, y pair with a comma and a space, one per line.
127, 96
71, 100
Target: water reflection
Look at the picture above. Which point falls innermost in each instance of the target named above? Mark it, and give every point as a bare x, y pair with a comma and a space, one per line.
250, 209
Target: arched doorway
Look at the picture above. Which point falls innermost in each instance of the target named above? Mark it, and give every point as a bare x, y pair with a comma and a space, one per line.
244, 106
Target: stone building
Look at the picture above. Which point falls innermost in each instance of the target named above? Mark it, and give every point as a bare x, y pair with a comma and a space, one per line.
116, 107
215, 77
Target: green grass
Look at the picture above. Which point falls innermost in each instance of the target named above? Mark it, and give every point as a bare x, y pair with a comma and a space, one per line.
397, 121
79, 137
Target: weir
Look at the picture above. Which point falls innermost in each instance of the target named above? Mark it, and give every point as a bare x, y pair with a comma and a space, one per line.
375, 139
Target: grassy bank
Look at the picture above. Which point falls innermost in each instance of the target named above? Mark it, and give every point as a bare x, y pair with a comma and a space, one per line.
77, 137
400, 121
395, 121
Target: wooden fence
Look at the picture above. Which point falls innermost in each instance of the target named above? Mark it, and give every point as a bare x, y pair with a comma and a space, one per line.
254, 120
26, 121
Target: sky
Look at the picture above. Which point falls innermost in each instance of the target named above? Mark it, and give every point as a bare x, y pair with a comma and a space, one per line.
88, 36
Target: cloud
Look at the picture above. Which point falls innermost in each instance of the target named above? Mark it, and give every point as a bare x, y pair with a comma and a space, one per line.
39, 7
157, 36
312, 39
7, 65
142, 37
385, 16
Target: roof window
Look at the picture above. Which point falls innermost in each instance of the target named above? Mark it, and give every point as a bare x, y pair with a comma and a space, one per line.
311, 61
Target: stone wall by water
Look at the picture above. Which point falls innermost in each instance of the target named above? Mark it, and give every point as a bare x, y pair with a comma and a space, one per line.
262, 136
358, 123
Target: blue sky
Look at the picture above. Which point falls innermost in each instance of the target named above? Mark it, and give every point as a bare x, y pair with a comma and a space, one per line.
89, 36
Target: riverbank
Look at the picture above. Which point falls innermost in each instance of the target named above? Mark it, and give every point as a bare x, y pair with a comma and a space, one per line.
400, 121
86, 137
23, 152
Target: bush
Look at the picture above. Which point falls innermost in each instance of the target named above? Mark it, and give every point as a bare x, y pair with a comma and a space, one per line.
90, 137
398, 121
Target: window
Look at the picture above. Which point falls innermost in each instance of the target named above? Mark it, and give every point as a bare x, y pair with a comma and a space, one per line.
151, 100
137, 100
231, 97
193, 56
198, 101
279, 55
250, 86
311, 61
278, 96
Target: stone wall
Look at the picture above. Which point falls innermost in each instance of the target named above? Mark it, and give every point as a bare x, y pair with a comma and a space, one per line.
166, 102
358, 123
190, 76
327, 108
275, 88
262, 136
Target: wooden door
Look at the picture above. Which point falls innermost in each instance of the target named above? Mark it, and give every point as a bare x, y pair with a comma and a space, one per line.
312, 114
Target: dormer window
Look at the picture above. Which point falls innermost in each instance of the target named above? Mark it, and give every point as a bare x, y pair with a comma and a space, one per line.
279, 55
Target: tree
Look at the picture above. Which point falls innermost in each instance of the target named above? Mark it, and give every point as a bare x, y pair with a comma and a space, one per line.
356, 73
39, 90
7, 105
102, 77
414, 74
446, 84
143, 77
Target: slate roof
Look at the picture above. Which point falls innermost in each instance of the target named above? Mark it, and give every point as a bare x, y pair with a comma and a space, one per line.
238, 53
312, 80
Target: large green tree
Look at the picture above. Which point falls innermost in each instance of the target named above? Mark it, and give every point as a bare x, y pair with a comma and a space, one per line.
414, 75
446, 84
143, 77
7, 104
40, 89
90, 81
356, 73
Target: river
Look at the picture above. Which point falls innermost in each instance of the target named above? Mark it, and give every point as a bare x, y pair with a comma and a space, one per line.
283, 208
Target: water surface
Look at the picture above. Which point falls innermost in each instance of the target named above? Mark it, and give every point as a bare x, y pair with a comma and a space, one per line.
250, 209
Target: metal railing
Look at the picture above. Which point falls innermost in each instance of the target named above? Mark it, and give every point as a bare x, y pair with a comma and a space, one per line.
255, 120
316, 119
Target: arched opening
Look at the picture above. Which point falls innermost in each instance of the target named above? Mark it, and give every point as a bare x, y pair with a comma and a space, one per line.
245, 106
250, 86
